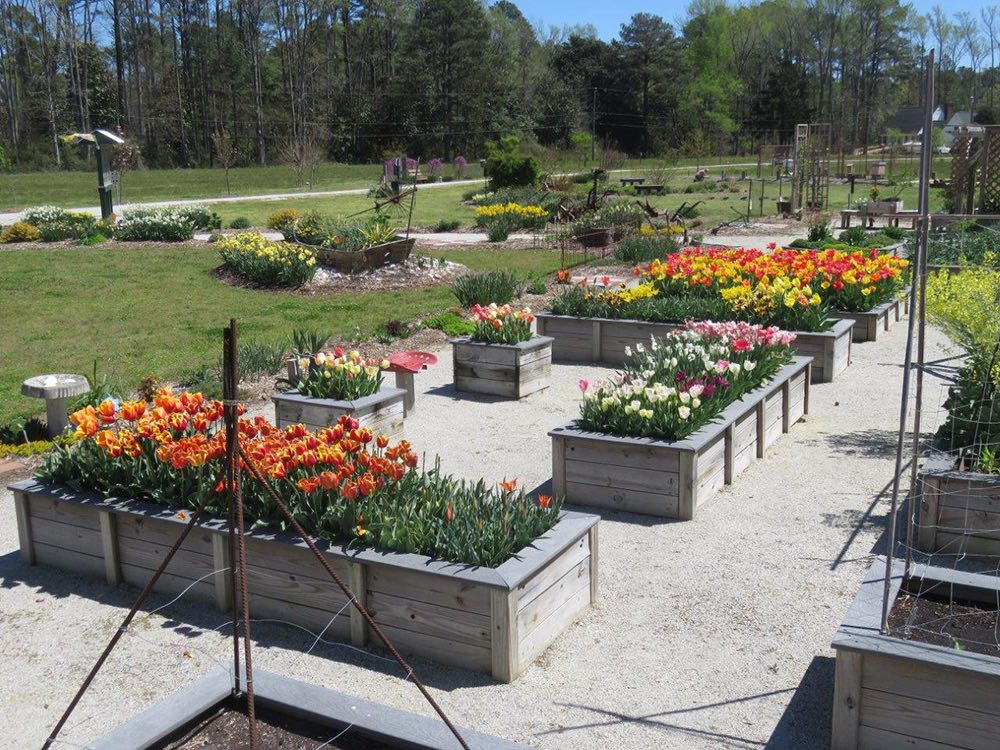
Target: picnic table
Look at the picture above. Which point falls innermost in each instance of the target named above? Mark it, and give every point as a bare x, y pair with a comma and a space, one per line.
868, 219
626, 181
405, 365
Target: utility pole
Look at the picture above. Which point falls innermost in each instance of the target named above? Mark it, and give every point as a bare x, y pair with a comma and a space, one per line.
593, 124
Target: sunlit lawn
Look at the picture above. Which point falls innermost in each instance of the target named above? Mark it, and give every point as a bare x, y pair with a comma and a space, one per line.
141, 311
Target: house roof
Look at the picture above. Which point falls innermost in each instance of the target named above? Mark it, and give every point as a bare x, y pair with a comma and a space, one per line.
911, 119
960, 118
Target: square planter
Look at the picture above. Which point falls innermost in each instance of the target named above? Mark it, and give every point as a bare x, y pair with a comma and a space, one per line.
291, 700
509, 370
959, 510
674, 478
868, 324
495, 620
382, 412
894, 693
605, 340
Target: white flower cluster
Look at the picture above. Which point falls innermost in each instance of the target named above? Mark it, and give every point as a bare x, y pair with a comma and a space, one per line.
44, 215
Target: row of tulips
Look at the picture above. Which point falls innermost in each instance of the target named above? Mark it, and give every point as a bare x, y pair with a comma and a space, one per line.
343, 483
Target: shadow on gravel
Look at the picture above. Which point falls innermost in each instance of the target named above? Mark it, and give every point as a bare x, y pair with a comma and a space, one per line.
880, 444
806, 721
191, 621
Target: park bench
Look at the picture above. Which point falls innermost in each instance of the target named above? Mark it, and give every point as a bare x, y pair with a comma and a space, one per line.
626, 181
868, 219
648, 189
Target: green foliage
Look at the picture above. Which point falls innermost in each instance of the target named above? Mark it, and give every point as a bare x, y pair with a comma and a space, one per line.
536, 286
20, 231
501, 287
199, 217
307, 342
283, 219
622, 214
240, 222
506, 166
102, 388
578, 303
25, 450
963, 248
450, 324
312, 228
638, 248
154, 225
23, 431
446, 225
498, 230
96, 238
819, 227
258, 359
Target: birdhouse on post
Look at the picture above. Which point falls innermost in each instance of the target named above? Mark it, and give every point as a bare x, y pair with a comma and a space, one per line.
102, 141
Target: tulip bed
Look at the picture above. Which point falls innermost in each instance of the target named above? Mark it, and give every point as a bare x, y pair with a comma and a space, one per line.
340, 375
341, 483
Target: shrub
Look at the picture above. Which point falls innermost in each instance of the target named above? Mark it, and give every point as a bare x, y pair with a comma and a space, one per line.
852, 236
305, 343
20, 231
267, 263
240, 222
447, 225
157, 225
501, 287
498, 230
451, 324
198, 216
74, 225
95, 238
506, 166
282, 219
537, 286
638, 248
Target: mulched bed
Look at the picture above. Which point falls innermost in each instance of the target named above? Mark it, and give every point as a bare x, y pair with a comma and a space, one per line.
229, 730
963, 626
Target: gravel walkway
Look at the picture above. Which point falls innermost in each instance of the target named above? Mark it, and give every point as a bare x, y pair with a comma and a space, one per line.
709, 634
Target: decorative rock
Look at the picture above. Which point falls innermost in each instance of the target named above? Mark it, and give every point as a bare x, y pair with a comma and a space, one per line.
55, 389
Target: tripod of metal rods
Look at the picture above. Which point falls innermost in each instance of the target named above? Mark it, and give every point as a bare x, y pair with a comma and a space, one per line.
236, 459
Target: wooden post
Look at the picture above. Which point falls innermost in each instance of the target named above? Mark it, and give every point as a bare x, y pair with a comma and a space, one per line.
359, 587
846, 701
595, 341
558, 467
727, 469
222, 581
503, 634
808, 385
687, 476
23, 510
109, 543
761, 426
786, 406
594, 554
927, 490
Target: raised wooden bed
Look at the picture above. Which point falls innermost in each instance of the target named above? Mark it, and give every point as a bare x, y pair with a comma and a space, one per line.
356, 261
892, 693
495, 620
880, 318
959, 510
510, 370
673, 479
381, 412
604, 340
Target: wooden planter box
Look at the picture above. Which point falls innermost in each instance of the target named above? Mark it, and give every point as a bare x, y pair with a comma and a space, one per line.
509, 370
893, 693
382, 412
959, 510
604, 340
868, 324
596, 237
495, 620
289, 699
351, 261
673, 479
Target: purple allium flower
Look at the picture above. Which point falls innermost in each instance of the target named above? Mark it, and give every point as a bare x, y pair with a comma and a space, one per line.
460, 165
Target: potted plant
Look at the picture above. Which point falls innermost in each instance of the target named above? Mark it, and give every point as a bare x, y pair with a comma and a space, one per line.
338, 383
688, 412
502, 357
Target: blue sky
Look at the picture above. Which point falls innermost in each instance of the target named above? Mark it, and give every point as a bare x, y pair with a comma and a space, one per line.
608, 17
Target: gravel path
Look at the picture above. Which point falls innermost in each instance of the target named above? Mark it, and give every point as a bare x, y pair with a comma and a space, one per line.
712, 633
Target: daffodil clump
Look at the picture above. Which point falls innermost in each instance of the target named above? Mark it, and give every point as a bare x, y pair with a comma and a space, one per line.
340, 375
511, 215
251, 255
684, 380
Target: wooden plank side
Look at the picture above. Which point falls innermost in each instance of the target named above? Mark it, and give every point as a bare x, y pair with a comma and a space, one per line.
967, 544
927, 720
70, 561
549, 629
164, 533
711, 469
973, 522
774, 416
65, 536
927, 521
846, 700
460, 626
559, 466
447, 592
295, 560
316, 621
147, 555
542, 606
661, 458
539, 583
870, 738
170, 584
442, 650
67, 512
915, 679
109, 545
22, 510
472, 354
630, 501
474, 370
488, 387
606, 475
979, 497
312, 592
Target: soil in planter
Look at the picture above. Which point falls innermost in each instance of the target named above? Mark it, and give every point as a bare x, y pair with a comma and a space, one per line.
228, 730
964, 626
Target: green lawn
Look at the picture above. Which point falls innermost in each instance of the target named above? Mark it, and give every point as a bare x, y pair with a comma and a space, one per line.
160, 311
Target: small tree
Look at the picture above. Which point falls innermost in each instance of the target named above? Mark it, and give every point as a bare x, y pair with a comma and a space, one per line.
305, 155
125, 157
506, 166
226, 152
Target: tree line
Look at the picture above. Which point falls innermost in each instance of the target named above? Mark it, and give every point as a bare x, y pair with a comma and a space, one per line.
209, 82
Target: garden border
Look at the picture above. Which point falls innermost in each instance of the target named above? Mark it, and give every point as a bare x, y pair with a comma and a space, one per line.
495, 620
604, 340
674, 478
293, 698
890, 692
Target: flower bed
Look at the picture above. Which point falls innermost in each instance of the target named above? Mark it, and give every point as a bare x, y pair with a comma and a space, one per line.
606, 340
959, 511
250, 255
502, 357
483, 578
890, 692
681, 420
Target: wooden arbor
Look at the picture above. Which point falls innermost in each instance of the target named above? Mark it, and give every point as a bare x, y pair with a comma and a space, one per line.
975, 170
